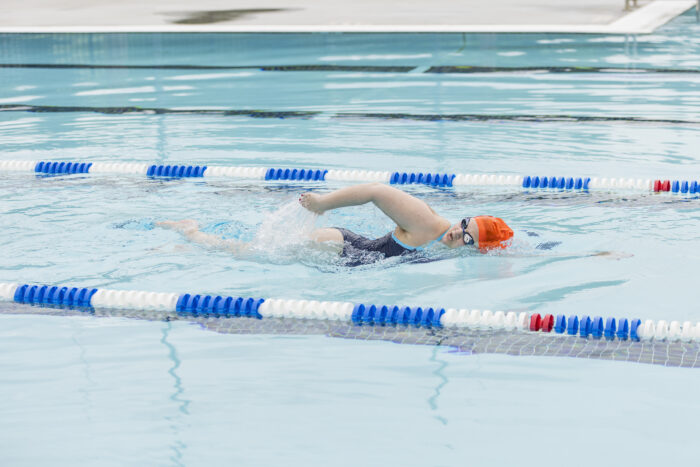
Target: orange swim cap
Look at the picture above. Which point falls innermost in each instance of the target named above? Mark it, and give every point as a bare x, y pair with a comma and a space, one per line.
493, 232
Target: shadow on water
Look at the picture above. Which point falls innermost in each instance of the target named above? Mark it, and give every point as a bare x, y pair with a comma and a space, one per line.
85, 389
177, 420
220, 16
442, 382
555, 295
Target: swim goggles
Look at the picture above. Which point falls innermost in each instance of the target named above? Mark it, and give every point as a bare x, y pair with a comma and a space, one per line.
468, 239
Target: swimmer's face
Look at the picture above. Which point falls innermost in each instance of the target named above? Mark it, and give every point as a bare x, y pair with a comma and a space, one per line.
454, 238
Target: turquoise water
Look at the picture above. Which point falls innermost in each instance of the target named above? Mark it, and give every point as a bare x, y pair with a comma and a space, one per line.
116, 391
82, 391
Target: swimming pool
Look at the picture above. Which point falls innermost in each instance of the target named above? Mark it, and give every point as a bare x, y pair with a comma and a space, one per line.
119, 390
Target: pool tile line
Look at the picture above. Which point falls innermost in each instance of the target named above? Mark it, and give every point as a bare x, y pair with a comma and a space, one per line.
308, 114
361, 314
319, 67
440, 69
271, 174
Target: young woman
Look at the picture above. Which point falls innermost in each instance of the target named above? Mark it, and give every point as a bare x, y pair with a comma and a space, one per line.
417, 226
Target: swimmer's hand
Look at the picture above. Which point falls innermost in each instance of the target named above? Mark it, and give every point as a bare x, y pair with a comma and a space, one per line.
186, 226
312, 202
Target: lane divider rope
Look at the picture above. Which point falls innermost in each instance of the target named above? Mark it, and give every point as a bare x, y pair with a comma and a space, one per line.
362, 314
394, 178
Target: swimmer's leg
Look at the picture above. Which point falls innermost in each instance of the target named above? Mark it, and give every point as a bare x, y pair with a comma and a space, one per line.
183, 226
329, 238
327, 235
190, 230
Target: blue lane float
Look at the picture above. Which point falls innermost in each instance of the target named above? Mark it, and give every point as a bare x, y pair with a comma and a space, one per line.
176, 171
560, 183
610, 328
62, 167
691, 187
560, 324
361, 314
597, 327
420, 178
393, 315
295, 174
623, 330
572, 325
219, 306
53, 295
634, 329
584, 326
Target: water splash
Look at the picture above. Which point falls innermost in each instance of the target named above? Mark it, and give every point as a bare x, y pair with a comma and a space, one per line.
284, 237
231, 229
289, 226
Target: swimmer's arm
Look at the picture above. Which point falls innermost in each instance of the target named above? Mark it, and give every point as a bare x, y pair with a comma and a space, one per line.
409, 213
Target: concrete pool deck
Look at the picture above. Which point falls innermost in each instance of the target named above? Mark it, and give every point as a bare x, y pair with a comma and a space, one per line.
469, 16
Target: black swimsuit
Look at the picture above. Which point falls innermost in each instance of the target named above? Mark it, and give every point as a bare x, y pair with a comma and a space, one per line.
361, 250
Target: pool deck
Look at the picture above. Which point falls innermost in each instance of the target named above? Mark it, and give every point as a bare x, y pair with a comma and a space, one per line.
422, 16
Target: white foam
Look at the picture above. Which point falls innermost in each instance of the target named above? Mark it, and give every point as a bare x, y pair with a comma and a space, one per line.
290, 225
177, 88
204, 76
376, 85
554, 41
104, 92
18, 99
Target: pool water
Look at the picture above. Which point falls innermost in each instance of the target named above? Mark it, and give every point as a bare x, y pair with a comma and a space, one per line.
121, 391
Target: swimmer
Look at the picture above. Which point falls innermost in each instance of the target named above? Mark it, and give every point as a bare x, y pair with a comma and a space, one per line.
417, 227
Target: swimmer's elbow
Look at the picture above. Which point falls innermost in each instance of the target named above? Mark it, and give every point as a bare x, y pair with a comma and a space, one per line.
379, 191
368, 192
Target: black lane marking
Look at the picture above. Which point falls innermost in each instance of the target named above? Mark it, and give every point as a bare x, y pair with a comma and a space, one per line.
447, 69
553, 69
382, 69
516, 118
373, 68
159, 111
341, 115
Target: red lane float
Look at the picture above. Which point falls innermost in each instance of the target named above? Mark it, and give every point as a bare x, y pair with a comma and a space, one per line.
547, 323
535, 322
664, 185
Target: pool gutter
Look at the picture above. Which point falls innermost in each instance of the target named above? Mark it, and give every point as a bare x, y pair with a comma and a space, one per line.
645, 20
